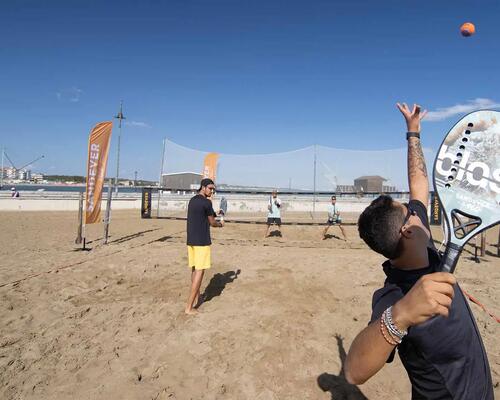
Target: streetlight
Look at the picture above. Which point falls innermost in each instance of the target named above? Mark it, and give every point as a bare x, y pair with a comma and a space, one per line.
120, 117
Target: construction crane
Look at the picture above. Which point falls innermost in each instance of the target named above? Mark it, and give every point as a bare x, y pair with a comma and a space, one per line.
24, 166
13, 166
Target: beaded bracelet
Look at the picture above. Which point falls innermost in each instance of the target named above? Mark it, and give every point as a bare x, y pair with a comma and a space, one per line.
392, 342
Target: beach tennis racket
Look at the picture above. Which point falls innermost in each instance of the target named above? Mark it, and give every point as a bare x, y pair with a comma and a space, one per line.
467, 180
222, 208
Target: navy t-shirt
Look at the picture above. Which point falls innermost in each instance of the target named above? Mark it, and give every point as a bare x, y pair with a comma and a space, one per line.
444, 357
198, 227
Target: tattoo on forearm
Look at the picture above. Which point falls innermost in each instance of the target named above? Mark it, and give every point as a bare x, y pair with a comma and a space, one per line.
416, 160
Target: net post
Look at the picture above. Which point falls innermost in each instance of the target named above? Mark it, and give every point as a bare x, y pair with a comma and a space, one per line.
498, 244
161, 175
483, 244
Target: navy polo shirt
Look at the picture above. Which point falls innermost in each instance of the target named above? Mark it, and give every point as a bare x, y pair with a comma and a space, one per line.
444, 357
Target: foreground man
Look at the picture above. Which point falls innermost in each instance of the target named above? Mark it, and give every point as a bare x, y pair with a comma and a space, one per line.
420, 312
200, 217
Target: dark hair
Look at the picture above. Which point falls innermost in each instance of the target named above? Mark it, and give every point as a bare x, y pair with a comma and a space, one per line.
379, 226
334, 197
205, 182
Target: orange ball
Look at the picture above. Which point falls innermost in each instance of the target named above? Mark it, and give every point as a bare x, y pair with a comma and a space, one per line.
467, 29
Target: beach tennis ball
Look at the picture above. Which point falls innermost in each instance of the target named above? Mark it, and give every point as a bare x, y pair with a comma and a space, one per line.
467, 29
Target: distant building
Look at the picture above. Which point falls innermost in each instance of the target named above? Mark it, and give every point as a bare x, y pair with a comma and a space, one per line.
24, 174
11, 173
345, 189
369, 183
36, 177
389, 189
181, 180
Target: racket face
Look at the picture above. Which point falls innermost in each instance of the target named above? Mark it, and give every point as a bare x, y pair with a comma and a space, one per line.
467, 175
223, 205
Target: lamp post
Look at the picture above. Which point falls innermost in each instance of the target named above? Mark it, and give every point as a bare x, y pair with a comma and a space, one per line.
120, 117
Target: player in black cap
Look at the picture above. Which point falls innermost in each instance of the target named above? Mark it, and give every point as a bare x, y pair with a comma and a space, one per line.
200, 217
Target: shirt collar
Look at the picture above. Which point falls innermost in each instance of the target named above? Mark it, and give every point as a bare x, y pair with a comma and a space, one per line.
399, 276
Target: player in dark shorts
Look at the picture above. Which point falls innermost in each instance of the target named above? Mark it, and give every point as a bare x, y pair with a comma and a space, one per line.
274, 213
334, 218
420, 312
200, 217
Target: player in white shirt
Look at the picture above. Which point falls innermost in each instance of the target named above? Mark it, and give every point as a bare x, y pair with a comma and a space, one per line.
274, 213
334, 218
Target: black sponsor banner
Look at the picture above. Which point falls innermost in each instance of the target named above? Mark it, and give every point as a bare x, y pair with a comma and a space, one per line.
436, 210
146, 203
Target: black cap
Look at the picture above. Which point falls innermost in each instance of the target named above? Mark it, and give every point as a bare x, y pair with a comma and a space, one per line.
205, 182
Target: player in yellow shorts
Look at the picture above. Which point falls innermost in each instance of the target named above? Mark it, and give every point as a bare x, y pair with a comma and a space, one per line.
199, 257
200, 217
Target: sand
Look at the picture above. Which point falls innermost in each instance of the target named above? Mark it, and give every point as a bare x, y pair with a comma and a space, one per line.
280, 313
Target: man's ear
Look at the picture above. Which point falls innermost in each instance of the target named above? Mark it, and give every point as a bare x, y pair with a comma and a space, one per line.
408, 232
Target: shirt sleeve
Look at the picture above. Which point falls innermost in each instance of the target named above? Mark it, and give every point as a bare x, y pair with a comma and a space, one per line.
209, 209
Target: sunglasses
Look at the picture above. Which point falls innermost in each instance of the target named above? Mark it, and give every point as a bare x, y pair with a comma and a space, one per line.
410, 212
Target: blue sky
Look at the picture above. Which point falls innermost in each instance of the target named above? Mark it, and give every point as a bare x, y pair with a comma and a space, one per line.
236, 76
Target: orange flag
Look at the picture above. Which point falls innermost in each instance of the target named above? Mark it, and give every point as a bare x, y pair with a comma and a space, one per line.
97, 161
210, 166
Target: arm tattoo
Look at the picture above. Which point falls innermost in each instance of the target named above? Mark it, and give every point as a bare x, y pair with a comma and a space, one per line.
416, 161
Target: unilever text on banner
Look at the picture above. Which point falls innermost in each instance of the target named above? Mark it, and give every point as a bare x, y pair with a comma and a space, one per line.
96, 169
210, 166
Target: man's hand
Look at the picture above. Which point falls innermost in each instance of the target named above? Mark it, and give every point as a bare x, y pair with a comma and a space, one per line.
431, 295
412, 117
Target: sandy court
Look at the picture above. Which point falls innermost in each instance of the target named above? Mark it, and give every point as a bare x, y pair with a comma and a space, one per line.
279, 314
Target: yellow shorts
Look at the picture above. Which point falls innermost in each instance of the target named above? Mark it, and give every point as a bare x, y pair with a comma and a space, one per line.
199, 257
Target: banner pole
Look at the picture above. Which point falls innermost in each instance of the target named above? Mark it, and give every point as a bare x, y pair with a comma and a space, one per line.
84, 233
80, 220
108, 212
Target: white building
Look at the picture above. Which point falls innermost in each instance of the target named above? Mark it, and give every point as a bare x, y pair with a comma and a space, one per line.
11, 173
24, 174
36, 177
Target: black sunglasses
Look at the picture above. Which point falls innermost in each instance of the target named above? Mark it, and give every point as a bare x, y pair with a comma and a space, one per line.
410, 212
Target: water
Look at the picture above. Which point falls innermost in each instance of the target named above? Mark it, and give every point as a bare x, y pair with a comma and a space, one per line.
64, 188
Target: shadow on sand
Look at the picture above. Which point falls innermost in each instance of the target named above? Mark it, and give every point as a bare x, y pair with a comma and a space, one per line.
217, 285
337, 385
330, 236
275, 233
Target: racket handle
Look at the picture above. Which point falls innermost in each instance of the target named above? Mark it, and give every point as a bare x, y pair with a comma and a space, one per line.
450, 258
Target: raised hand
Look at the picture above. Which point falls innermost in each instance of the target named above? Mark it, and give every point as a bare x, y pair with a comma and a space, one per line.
430, 296
412, 117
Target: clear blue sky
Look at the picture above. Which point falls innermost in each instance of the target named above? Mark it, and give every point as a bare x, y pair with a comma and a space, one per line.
235, 76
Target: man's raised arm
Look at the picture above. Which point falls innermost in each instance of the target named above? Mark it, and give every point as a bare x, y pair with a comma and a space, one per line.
418, 180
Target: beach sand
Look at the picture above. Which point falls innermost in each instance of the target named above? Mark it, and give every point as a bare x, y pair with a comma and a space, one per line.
280, 313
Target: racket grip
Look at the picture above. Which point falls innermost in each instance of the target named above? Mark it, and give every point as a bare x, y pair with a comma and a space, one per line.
450, 258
